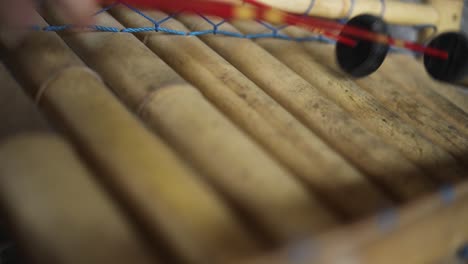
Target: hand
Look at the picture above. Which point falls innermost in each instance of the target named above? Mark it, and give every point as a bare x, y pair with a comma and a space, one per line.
21, 12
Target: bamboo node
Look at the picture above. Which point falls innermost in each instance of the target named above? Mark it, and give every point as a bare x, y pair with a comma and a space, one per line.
148, 97
45, 84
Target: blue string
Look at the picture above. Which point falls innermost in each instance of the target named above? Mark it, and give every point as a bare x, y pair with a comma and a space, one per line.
107, 8
462, 253
302, 252
57, 28
104, 28
448, 194
141, 13
309, 8
275, 31
351, 9
387, 220
215, 30
384, 8
139, 29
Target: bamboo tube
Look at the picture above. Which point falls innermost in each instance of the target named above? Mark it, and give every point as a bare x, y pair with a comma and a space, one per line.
278, 195
285, 137
446, 138
425, 232
455, 94
428, 123
321, 115
447, 100
167, 200
57, 211
357, 102
203, 135
396, 12
17, 113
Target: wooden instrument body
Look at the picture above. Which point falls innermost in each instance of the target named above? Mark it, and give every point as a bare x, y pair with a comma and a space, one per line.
224, 150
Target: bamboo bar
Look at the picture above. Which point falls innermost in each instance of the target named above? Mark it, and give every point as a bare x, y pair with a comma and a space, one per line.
430, 110
428, 123
17, 112
260, 151
264, 119
428, 159
447, 100
445, 14
178, 111
278, 195
361, 105
427, 231
456, 94
57, 211
394, 11
329, 121
146, 177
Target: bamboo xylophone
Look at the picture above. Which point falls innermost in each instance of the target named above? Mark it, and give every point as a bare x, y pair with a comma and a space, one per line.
209, 149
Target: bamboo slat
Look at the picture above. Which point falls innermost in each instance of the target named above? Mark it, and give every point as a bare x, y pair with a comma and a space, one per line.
360, 104
397, 12
324, 117
147, 178
428, 123
264, 119
427, 231
453, 141
447, 100
179, 112
57, 210
457, 95
256, 144
17, 112
275, 196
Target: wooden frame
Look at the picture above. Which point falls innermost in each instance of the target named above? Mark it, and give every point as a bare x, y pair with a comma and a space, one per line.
444, 14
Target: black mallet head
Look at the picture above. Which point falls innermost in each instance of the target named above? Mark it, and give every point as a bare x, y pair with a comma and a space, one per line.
454, 69
366, 56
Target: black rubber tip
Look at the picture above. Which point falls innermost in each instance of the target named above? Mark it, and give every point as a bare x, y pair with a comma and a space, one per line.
455, 68
366, 56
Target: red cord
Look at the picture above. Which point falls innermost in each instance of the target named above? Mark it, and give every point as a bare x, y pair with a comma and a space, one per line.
329, 28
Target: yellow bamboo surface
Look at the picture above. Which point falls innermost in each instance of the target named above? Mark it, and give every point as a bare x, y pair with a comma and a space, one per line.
363, 106
426, 121
224, 150
425, 232
449, 101
179, 112
446, 14
343, 132
17, 111
147, 178
266, 120
57, 210
413, 13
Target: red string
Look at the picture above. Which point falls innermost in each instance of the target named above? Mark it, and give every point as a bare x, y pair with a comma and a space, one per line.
329, 28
